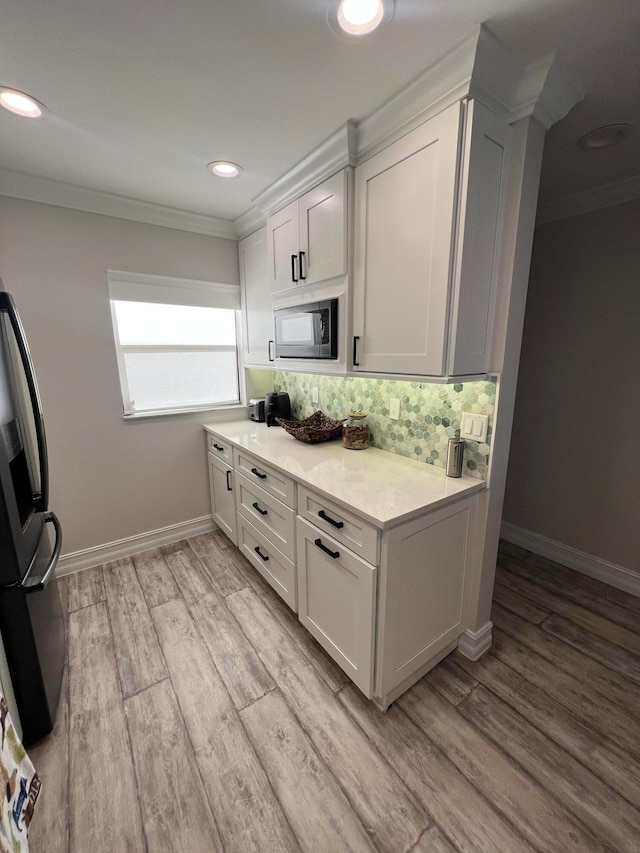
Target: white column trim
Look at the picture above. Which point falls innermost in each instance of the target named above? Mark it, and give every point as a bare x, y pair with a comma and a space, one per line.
473, 644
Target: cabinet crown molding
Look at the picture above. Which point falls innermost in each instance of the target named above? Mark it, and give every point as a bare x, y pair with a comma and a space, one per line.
479, 67
325, 160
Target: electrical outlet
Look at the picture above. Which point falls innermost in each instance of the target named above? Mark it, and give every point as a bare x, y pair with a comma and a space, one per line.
473, 426
394, 408
314, 395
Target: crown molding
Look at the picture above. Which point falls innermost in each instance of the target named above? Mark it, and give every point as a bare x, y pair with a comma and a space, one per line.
248, 222
446, 81
46, 191
541, 89
478, 67
325, 160
607, 195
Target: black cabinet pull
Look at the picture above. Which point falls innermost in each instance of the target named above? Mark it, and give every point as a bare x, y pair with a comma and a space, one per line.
294, 277
325, 517
258, 474
218, 447
300, 265
260, 554
334, 554
258, 508
229, 489
356, 338
270, 348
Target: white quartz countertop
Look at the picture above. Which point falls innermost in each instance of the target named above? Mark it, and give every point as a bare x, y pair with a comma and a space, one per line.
379, 486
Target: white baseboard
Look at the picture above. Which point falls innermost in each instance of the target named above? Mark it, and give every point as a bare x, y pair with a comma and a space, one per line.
595, 567
473, 644
90, 557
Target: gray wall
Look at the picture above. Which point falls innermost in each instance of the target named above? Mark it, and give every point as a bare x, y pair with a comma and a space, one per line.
109, 479
574, 468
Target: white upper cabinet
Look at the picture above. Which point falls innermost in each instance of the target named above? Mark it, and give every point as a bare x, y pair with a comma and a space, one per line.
307, 240
257, 313
427, 215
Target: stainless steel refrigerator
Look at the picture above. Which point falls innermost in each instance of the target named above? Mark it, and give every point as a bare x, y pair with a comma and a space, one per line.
31, 622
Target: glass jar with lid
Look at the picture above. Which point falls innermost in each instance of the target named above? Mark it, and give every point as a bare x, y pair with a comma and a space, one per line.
355, 432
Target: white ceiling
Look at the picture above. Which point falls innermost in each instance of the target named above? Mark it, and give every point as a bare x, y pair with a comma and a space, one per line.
142, 95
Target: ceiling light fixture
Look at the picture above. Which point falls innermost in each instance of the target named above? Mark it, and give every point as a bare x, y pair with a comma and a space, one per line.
604, 137
358, 17
20, 103
224, 169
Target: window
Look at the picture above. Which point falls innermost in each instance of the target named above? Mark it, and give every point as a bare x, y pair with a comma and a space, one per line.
175, 342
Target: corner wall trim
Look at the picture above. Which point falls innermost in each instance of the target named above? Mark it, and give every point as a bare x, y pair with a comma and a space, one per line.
587, 564
90, 557
473, 644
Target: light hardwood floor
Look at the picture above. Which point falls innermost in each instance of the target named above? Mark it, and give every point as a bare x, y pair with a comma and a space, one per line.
198, 716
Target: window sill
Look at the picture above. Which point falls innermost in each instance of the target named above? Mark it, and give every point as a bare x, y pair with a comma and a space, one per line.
219, 413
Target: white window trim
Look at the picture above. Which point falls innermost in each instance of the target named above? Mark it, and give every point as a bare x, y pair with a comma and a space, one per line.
167, 290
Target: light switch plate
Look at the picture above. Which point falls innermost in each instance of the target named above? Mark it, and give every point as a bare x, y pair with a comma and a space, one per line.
314, 395
474, 427
394, 408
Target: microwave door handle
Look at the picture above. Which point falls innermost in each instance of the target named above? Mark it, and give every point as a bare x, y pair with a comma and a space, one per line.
317, 327
41, 498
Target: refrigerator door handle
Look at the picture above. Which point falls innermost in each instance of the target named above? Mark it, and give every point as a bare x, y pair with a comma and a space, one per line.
41, 498
49, 518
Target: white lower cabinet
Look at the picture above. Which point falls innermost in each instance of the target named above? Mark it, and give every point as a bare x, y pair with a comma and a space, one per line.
337, 602
386, 602
222, 491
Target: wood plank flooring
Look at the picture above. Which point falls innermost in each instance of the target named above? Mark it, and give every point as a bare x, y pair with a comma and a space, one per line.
198, 715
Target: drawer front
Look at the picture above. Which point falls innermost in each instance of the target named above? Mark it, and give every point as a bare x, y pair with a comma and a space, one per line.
220, 448
347, 528
275, 568
337, 601
269, 515
272, 481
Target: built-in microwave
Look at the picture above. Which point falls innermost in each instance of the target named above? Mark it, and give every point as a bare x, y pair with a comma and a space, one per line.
307, 331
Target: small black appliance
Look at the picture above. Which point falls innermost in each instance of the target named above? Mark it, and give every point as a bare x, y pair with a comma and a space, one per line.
277, 405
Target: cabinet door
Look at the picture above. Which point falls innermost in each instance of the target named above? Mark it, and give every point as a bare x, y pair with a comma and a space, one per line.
336, 602
257, 311
223, 503
283, 240
323, 233
405, 207
483, 193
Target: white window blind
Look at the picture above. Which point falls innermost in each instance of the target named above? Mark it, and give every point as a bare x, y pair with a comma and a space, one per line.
176, 343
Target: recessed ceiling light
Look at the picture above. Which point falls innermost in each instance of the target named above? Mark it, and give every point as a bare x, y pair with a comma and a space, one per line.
604, 137
20, 103
224, 169
359, 17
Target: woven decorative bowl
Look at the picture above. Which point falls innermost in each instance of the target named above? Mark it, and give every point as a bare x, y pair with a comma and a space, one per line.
317, 427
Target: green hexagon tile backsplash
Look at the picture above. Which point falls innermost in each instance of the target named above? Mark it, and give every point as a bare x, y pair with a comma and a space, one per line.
429, 414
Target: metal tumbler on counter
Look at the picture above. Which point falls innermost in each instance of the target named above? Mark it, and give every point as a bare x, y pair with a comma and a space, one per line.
455, 452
